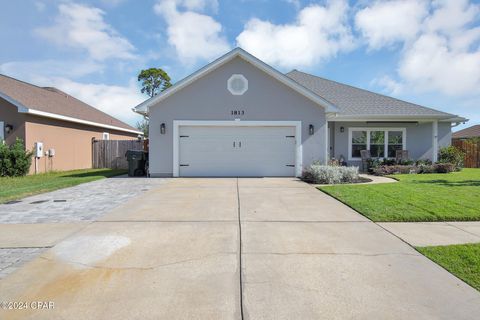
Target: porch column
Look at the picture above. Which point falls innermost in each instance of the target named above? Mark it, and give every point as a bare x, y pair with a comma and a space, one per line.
435, 141
327, 143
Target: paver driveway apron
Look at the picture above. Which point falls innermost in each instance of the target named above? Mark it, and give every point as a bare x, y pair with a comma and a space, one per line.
173, 253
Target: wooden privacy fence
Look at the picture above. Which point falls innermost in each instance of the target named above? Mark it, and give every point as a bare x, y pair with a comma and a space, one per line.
472, 152
111, 153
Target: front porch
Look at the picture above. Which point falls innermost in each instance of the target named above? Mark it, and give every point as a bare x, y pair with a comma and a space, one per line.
421, 139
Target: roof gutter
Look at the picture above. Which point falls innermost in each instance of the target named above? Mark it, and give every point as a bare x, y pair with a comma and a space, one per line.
75, 120
395, 118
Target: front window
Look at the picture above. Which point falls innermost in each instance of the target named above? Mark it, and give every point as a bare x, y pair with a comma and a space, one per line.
359, 142
382, 142
377, 144
395, 142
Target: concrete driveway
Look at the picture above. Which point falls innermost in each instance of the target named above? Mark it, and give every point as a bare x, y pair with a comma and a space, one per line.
233, 249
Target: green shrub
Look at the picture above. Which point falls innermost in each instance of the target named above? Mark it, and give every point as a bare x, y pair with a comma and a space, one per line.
14, 160
423, 162
397, 169
444, 167
426, 168
322, 174
451, 155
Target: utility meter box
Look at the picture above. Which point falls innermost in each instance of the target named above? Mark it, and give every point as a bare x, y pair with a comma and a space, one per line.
38, 149
51, 152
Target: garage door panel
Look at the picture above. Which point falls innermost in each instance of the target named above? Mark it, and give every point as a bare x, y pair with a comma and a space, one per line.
236, 151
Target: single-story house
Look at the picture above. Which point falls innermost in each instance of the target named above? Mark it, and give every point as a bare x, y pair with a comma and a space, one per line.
467, 133
238, 116
57, 126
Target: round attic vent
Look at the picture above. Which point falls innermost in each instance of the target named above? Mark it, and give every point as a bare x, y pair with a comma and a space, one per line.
237, 84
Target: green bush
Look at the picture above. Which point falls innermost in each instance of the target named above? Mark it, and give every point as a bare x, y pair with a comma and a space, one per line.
397, 169
444, 167
451, 155
321, 174
14, 160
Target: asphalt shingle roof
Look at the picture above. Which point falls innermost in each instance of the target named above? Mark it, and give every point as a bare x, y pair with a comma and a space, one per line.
470, 132
354, 101
55, 101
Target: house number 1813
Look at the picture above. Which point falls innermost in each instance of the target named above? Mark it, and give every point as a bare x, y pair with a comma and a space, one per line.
238, 112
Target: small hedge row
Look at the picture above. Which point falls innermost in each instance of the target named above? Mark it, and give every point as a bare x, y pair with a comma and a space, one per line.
406, 169
14, 160
321, 174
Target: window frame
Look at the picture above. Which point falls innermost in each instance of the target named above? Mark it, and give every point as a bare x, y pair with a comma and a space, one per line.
370, 129
106, 136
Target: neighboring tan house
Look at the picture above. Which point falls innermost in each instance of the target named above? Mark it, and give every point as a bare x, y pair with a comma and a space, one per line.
238, 116
64, 125
467, 133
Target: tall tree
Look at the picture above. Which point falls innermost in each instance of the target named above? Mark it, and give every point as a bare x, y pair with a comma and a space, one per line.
154, 80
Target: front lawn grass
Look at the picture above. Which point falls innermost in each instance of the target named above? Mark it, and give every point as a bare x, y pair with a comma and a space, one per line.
462, 260
19, 187
416, 197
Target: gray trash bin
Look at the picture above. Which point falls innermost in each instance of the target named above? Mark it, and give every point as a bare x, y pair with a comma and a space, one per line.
136, 163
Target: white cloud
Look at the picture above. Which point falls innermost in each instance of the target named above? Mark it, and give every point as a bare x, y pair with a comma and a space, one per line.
431, 64
390, 85
193, 35
115, 100
319, 33
441, 49
84, 27
451, 16
385, 23
51, 68
198, 5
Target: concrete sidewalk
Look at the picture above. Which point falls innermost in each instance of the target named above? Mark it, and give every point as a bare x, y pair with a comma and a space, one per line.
236, 249
423, 234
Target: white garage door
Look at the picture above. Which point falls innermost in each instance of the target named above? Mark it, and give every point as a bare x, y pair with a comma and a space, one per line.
236, 151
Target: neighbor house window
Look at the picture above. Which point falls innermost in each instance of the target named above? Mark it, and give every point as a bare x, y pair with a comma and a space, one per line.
382, 142
106, 136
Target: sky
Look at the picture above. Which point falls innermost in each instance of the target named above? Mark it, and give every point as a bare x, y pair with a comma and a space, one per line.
427, 52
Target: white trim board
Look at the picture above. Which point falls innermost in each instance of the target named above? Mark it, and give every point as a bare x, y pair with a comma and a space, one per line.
143, 108
75, 120
395, 118
298, 137
368, 130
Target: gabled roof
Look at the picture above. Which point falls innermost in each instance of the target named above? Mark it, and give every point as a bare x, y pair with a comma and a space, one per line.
237, 52
355, 102
53, 103
470, 132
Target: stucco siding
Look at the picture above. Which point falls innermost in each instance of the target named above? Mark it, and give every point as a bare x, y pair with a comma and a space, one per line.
72, 142
418, 142
208, 99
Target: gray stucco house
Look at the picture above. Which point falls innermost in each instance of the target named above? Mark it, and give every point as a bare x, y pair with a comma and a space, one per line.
238, 116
